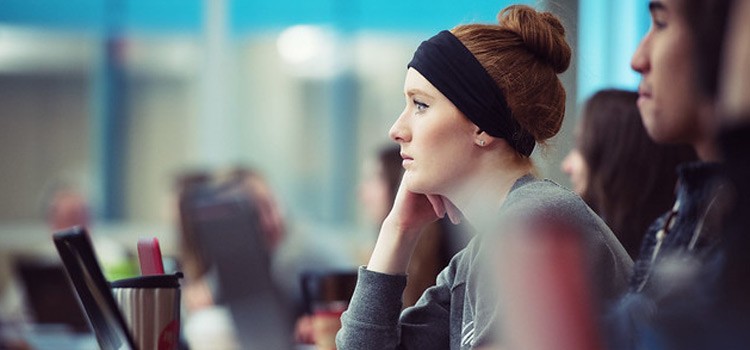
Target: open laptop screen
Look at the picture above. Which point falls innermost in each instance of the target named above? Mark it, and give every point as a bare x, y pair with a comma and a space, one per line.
49, 293
79, 259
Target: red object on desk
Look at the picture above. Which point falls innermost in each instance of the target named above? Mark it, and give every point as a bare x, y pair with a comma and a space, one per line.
149, 256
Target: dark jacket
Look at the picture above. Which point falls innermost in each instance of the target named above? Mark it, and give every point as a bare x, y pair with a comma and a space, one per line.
666, 271
693, 224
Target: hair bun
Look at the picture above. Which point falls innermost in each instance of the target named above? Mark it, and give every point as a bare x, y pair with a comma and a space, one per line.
541, 32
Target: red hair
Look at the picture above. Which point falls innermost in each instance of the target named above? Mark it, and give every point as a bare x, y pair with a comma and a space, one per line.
524, 53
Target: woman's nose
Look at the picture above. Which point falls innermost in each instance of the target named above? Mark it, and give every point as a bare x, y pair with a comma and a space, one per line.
566, 165
399, 131
640, 60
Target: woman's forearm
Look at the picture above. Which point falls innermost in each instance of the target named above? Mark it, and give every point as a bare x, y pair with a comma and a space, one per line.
393, 249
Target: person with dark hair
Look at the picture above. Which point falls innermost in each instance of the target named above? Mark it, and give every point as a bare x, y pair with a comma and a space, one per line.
190, 260
270, 214
675, 111
390, 163
677, 107
478, 99
618, 170
381, 178
291, 254
710, 309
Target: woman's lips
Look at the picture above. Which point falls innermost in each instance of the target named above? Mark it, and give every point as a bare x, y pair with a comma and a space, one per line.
406, 160
643, 97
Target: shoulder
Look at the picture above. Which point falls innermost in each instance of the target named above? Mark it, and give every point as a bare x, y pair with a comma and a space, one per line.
544, 196
545, 201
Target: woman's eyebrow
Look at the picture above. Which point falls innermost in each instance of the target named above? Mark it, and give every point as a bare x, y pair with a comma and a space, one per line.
416, 91
655, 6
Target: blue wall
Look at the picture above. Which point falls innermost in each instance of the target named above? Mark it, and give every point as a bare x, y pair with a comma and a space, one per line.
609, 32
248, 15
96, 15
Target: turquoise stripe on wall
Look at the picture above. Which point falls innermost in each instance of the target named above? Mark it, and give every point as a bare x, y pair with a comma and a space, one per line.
247, 16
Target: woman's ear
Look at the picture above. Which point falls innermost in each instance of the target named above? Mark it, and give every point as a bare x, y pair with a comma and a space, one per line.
481, 138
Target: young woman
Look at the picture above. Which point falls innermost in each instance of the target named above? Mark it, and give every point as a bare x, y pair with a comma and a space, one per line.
618, 170
478, 99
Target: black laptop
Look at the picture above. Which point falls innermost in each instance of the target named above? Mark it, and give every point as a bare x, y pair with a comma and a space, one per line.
80, 261
49, 294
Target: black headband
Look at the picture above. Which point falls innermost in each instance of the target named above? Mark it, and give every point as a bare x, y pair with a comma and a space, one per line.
449, 66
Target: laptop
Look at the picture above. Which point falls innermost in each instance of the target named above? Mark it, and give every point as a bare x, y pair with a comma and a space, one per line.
80, 261
227, 231
49, 295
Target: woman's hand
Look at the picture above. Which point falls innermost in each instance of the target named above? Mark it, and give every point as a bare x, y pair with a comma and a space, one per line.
444, 206
410, 214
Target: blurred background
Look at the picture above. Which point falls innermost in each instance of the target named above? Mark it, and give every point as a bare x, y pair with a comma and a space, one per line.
118, 98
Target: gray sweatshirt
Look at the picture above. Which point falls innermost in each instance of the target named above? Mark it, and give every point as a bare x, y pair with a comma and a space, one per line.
459, 311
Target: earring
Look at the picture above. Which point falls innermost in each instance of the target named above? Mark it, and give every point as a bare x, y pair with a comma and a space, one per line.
481, 143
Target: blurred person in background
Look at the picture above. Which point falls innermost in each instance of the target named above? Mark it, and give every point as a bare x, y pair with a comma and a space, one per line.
239, 181
269, 210
478, 100
66, 205
209, 325
190, 261
292, 252
437, 244
618, 170
63, 205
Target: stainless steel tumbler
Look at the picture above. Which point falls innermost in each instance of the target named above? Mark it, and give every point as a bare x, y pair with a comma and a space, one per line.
151, 307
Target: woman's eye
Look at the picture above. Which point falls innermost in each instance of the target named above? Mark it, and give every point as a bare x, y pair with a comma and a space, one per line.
658, 22
421, 106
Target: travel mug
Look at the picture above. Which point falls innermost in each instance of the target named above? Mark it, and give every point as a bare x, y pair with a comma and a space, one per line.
151, 307
327, 295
